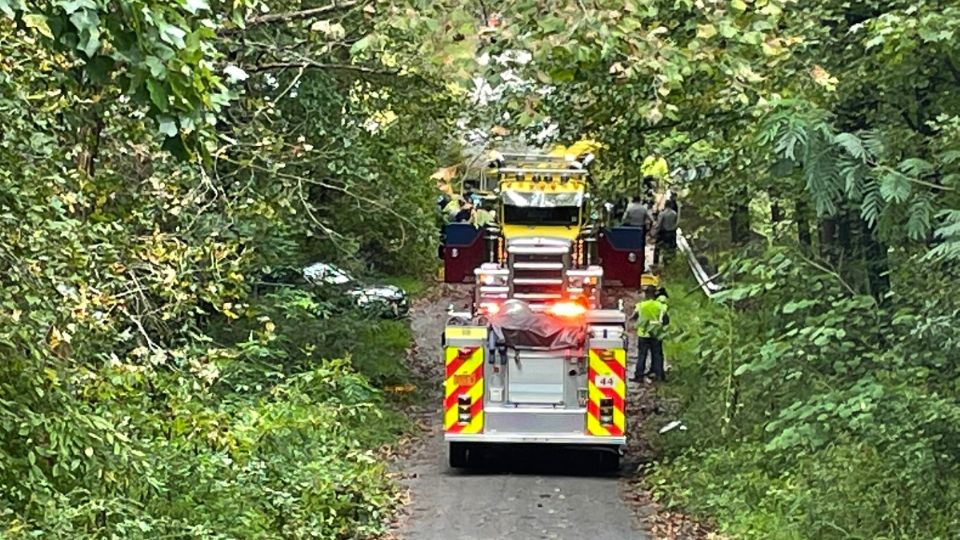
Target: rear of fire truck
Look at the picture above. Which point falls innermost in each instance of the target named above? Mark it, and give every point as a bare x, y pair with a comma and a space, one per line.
537, 359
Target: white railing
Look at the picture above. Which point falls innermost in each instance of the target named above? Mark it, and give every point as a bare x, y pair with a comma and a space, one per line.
703, 279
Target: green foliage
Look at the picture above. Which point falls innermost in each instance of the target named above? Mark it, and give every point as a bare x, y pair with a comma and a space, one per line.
814, 412
148, 389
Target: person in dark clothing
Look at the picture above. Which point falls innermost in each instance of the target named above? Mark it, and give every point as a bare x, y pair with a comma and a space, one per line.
465, 213
618, 207
666, 232
637, 214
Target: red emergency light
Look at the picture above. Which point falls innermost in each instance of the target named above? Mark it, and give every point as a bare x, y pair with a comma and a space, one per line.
568, 309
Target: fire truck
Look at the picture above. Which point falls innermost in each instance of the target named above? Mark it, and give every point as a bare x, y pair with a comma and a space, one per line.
537, 357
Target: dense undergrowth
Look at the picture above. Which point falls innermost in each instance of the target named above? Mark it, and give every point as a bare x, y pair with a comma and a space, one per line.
813, 412
265, 439
159, 161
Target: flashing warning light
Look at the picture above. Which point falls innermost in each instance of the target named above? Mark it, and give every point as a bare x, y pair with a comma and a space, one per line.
568, 309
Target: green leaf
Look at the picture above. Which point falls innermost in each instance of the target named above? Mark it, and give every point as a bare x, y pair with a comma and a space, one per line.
195, 6
361, 44
90, 41
167, 125
8, 7
915, 167
71, 6
706, 31
918, 221
950, 156
158, 69
752, 38
171, 34
158, 94
852, 144
38, 23
563, 75
792, 307
738, 5
87, 23
894, 187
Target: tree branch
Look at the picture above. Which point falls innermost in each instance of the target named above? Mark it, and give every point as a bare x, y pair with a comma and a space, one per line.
316, 65
830, 272
333, 7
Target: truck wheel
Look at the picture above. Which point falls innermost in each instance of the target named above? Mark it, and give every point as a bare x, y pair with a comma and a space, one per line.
609, 460
459, 455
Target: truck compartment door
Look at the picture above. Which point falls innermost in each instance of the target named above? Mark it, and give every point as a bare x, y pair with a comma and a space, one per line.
463, 251
622, 254
536, 378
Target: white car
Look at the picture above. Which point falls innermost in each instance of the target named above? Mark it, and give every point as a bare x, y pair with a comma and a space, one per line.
380, 299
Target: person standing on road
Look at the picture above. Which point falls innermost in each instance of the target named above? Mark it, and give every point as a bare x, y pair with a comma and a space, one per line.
666, 231
652, 317
637, 214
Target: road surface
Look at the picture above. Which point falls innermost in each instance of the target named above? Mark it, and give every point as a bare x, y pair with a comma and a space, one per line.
530, 494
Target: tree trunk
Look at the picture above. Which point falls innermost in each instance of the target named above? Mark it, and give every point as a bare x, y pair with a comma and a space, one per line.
803, 223
740, 220
90, 136
826, 235
843, 232
877, 266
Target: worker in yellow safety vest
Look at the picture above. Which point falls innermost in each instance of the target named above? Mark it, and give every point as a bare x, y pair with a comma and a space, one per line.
652, 318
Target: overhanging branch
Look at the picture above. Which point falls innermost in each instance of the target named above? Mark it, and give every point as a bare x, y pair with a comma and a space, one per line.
333, 7
317, 65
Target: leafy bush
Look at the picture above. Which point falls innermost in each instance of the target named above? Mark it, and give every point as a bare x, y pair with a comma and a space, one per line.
232, 448
814, 412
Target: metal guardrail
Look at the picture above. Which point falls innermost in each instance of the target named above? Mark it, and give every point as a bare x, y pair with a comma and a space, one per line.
703, 279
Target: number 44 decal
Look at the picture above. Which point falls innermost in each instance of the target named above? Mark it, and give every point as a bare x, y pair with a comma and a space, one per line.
605, 381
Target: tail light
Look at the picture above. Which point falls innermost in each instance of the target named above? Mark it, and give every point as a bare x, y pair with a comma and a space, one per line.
568, 309
606, 411
463, 408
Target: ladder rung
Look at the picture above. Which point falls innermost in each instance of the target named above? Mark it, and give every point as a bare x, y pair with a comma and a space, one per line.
538, 250
520, 265
538, 296
493, 289
518, 170
537, 281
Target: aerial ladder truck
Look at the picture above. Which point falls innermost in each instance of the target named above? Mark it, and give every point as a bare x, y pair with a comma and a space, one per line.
537, 357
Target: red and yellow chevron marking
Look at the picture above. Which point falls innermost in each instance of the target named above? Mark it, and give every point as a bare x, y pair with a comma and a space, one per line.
464, 377
606, 374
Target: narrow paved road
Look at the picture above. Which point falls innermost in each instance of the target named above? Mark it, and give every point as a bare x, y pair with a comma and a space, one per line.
531, 494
